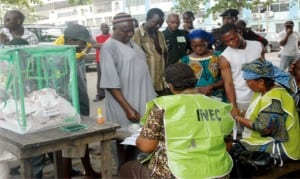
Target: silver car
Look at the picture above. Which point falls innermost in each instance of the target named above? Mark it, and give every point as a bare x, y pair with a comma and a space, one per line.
273, 40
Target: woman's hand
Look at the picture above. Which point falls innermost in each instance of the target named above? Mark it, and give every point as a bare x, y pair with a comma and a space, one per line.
206, 90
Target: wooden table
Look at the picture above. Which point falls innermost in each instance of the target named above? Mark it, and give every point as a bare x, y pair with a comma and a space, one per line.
54, 140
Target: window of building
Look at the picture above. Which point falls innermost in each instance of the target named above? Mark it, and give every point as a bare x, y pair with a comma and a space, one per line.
100, 1
103, 7
74, 12
117, 6
65, 14
98, 21
279, 27
280, 7
201, 13
135, 2
108, 20
160, 1
90, 22
68, 22
140, 17
258, 9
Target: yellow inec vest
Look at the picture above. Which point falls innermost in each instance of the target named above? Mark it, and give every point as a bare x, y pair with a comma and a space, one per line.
259, 102
195, 126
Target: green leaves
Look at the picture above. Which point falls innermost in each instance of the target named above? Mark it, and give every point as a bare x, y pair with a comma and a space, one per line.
219, 6
79, 2
184, 5
21, 3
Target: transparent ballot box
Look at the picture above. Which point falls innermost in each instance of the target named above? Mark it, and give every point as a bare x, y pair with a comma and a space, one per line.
38, 88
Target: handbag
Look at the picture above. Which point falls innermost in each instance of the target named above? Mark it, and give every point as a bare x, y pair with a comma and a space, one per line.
249, 163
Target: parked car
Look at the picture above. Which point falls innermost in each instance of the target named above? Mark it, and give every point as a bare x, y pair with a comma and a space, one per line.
273, 40
90, 59
47, 34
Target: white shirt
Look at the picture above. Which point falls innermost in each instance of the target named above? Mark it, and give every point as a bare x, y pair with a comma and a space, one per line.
291, 47
28, 35
236, 58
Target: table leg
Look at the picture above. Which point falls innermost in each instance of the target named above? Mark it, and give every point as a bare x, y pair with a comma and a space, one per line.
26, 169
57, 156
106, 159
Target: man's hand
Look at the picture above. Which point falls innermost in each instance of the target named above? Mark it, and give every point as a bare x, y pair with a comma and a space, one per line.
97, 45
133, 115
289, 31
292, 67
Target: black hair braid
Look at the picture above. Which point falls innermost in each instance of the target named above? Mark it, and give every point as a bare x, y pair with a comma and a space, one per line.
181, 76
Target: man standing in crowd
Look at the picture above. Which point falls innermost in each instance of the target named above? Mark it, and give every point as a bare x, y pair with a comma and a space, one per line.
248, 34
229, 16
289, 40
78, 35
13, 23
125, 74
188, 19
153, 42
100, 39
177, 41
238, 52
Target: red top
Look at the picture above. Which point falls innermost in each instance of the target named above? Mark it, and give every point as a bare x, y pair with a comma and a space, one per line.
100, 39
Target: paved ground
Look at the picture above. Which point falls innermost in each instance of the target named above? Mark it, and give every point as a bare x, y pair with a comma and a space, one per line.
95, 148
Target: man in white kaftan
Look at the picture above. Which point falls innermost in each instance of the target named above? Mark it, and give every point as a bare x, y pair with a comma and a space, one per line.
124, 67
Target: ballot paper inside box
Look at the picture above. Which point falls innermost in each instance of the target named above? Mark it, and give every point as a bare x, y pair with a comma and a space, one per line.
38, 88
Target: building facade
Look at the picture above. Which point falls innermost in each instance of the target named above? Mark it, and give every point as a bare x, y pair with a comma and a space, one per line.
59, 12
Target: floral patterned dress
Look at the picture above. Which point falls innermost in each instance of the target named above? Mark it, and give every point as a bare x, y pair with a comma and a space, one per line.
207, 71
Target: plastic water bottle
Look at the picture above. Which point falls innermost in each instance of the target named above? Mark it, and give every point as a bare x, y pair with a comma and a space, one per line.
100, 118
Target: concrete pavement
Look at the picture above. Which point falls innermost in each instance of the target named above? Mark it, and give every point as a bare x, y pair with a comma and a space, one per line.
273, 57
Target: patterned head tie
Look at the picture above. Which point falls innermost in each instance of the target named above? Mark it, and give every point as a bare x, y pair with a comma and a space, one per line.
261, 68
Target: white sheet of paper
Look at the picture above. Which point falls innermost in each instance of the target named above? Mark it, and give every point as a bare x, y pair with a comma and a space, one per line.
131, 139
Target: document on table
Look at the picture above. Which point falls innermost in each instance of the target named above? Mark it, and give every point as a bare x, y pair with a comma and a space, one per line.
131, 139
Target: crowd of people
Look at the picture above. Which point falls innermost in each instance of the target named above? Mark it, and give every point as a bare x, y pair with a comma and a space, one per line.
198, 86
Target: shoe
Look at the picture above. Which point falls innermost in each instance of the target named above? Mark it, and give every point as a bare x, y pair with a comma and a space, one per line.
15, 170
75, 172
92, 176
98, 98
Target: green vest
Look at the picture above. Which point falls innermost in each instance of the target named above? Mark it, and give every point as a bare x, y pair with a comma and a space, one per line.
195, 126
290, 147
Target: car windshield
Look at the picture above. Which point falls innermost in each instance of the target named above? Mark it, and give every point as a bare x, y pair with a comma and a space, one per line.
272, 36
46, 34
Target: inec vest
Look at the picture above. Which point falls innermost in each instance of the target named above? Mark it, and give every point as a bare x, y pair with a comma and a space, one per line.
195, 126
292, 146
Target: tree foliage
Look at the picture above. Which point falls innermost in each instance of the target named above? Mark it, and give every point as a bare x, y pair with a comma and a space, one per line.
79, 2
222, 5
184, 5
219, 6
20, 3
